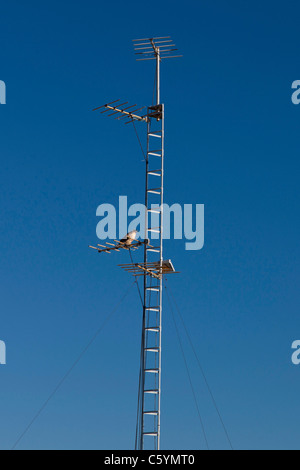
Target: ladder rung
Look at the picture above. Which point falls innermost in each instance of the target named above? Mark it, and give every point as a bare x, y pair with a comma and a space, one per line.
152, 392
155, 135
152, 371
153, 173
152, 350
156, 289
153, 191
155, 211
150, 434
153, 309
152, 413
155, 154
153, 251
155, 330
153, 230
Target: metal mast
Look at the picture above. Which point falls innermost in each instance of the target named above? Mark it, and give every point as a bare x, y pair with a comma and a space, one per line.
154, 266
150, 383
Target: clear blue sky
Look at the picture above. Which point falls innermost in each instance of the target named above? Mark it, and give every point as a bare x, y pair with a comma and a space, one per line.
232, 143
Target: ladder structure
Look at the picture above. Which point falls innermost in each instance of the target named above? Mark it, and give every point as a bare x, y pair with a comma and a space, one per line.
152, 324
154, 267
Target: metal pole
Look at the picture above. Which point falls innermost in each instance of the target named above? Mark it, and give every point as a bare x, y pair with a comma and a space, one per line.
161, 264
145, 291
157, 76
152, 308
158, 59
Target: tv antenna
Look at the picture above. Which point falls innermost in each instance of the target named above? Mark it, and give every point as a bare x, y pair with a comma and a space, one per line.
153, 269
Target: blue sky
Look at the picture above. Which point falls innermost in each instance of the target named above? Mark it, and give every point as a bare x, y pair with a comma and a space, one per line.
231, 143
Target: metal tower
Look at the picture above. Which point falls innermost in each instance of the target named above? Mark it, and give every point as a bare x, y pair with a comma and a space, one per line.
154, 267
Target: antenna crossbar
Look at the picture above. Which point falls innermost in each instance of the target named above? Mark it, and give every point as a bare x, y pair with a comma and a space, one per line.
123, 111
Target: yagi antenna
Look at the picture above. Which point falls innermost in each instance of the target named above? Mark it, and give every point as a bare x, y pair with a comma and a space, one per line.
153, 48
123, 112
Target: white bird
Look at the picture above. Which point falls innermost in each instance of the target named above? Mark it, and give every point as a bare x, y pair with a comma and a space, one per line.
129, 238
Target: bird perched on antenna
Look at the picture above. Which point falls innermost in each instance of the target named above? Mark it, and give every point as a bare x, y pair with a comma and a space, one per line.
129, 238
